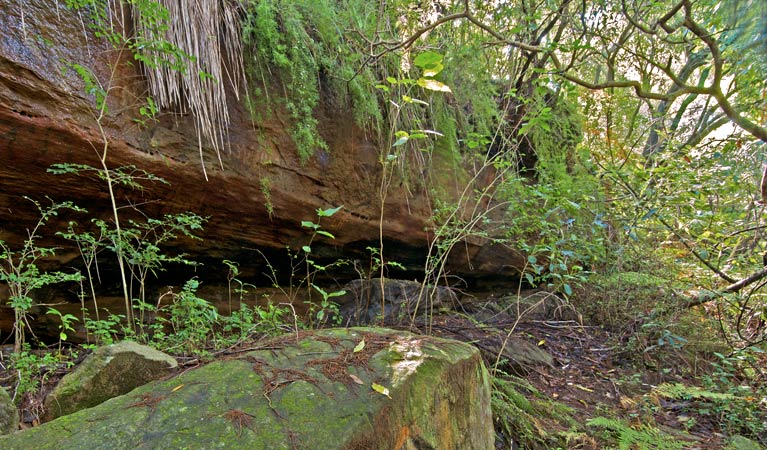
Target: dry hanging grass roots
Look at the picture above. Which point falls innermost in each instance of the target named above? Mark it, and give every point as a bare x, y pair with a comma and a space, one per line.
208, 31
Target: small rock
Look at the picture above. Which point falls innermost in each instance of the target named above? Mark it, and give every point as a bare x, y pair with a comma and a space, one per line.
9, 415
108, 372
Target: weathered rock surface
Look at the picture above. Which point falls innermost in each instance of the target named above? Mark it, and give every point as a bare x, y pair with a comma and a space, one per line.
365, 303
9, 415
309, 391
109, 371
255, 199
46, 118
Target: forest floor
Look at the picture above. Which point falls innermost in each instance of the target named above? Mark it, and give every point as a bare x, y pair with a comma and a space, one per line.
616, 376
591, 372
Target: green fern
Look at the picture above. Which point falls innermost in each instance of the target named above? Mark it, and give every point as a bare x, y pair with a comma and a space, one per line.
681, 391
524, 413
643, 437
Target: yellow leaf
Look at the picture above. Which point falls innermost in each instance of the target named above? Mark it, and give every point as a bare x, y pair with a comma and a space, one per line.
177, 388
541, 342
380, 389
359, 346
433, 85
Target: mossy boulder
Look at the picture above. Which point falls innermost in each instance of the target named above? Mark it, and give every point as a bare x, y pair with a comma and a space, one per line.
739, 442
315, 390
109, 371
9, 415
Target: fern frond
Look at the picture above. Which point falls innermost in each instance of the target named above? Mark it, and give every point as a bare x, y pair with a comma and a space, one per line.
681, 391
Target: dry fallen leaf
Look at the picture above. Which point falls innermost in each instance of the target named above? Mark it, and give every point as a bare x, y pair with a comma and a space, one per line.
356, 379
359, 346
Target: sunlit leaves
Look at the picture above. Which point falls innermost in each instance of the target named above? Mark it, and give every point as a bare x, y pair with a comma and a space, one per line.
381, 389
433, 85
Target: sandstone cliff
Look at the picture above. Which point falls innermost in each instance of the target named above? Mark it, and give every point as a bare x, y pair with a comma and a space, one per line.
254, 200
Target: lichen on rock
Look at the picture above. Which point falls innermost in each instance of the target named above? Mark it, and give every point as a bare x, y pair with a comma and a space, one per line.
109, 371
311, 390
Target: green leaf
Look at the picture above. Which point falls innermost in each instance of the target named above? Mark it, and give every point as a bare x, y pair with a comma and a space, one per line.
63, 336
329, 212
401, 141
427, 59
336, 294
325, 233
433, 70
408, 99
568, 289
307, 224
306, 248
321, 291
358, 348
380, 389
433, 85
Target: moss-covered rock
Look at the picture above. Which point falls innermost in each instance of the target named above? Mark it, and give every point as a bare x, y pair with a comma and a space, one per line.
9, 415
109, 371
318, 390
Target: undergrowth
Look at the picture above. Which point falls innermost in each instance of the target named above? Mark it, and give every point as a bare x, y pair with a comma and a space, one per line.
527, 418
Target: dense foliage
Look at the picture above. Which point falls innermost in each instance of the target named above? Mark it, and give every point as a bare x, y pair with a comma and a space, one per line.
618, 144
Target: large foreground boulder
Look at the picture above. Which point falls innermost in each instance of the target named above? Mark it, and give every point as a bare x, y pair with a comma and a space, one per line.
109, 371
359, 388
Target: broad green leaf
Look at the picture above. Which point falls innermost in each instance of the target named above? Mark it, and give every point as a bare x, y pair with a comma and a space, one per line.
530, 279
306, 248
320, 290
433, 85
427, 59
329, 212
307, 224
402, 140
432, 70
380, 389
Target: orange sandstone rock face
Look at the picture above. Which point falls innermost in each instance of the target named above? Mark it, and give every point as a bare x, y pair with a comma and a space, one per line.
254, 200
